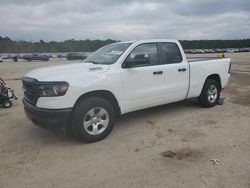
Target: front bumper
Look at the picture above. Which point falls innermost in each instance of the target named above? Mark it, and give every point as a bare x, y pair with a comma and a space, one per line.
47, 118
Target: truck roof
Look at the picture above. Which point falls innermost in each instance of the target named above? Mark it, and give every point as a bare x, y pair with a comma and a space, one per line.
150, 40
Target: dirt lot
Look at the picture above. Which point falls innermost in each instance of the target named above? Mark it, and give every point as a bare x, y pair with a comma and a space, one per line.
166, 146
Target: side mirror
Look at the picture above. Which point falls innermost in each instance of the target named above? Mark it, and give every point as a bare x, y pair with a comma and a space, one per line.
137, 61
126, 64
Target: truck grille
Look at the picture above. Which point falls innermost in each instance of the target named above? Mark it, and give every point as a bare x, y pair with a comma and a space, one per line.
30, 90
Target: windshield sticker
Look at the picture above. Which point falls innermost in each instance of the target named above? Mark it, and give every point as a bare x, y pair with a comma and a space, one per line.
116, 52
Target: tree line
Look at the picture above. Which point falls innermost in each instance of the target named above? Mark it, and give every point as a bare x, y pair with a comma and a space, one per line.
213, 44
11, 46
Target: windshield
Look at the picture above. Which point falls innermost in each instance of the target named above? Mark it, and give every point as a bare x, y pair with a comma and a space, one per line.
108, 54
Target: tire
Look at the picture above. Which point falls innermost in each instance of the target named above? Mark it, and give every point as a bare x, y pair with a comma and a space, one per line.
208, 98
7, 104
92, 119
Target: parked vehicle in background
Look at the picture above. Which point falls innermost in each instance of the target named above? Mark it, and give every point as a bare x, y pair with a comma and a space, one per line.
75, 56
7, 57
19, 56
53, 56
243, 50
1, 60
122, 77
192, 51
61, 55
218, 50
36, 57
230, 50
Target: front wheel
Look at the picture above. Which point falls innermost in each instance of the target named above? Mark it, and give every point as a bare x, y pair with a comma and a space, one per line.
93, 119
210, 93
7, 104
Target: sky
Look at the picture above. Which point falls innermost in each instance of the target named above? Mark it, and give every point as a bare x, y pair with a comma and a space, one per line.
59, 20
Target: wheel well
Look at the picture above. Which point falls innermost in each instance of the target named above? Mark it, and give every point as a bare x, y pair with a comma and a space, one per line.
215, 77
102, 94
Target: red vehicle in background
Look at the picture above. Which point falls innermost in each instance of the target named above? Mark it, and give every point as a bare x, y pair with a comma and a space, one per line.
6, 94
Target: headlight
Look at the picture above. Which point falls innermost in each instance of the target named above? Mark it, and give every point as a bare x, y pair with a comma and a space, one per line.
52, 89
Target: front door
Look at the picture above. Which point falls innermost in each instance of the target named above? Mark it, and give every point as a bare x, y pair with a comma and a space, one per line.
143, 80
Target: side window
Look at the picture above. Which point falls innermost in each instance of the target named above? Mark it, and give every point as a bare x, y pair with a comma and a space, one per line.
143, 55
171, 53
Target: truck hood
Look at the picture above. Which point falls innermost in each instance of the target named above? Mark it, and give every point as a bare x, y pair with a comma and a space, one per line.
62, 72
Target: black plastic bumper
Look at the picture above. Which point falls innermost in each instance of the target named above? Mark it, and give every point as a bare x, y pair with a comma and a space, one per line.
47, 118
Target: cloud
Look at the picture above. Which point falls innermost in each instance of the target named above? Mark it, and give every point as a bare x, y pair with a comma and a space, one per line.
124, 20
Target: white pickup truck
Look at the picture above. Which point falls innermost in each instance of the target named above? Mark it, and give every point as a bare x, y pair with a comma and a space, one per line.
87, 97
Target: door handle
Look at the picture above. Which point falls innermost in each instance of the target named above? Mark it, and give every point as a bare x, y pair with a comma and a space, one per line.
157, 72
182, 70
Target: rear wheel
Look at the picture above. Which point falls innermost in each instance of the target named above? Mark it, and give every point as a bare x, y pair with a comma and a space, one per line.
93, 119
210, 93
7, 104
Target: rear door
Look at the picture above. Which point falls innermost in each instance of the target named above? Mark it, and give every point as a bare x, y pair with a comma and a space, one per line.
143, 81
176, 72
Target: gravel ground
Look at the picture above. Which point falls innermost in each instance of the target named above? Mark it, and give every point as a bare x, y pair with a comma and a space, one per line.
166, 146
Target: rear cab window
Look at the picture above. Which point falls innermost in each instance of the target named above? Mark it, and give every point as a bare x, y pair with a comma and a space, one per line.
170, 53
